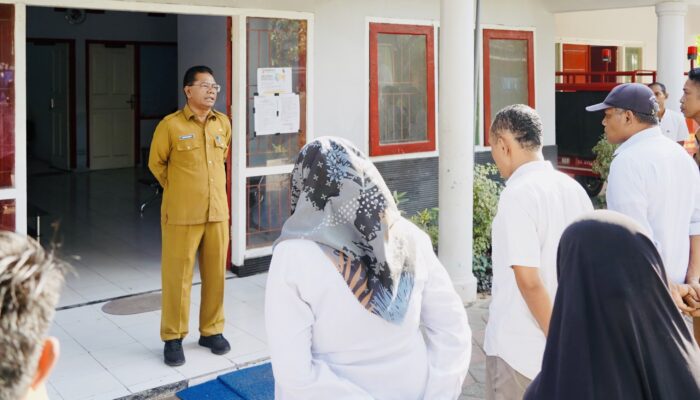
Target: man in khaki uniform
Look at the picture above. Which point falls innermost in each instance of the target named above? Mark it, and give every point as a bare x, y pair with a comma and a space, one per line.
187, 157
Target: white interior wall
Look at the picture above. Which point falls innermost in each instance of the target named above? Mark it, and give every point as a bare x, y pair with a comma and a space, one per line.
44, 22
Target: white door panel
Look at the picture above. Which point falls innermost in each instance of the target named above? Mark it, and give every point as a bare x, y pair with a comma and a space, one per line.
111, 107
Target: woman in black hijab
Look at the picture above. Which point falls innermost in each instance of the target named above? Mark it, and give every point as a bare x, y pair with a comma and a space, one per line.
615, 331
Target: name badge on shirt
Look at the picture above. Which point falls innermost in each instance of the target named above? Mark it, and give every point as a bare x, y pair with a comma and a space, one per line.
186, 137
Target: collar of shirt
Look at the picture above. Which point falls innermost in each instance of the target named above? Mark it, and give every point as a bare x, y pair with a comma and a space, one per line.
189, 114
638, 138
527, 168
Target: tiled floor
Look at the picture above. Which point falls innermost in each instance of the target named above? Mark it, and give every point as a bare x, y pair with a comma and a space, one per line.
107, 356
114, 251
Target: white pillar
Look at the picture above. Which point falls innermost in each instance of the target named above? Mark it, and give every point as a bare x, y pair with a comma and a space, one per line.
456, 143
671, 61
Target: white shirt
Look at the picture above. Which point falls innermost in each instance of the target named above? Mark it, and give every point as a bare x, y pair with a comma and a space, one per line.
325, 345
535, 207
655, 182
673, 126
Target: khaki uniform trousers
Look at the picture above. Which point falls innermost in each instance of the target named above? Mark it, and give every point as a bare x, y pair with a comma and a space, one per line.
503, 382
180, 244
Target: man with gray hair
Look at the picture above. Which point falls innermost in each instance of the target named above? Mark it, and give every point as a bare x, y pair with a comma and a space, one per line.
535, 207
30, 285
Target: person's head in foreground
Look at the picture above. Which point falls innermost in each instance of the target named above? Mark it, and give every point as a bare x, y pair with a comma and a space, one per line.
690, 101
30, 285
629, 108
340, 200
515, 137
615, 331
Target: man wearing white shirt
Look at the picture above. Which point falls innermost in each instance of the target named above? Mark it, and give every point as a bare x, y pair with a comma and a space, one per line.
535, 207
671, 122
652, 179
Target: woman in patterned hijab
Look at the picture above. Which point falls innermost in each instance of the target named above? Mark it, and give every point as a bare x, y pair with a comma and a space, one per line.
351, 283
339, 200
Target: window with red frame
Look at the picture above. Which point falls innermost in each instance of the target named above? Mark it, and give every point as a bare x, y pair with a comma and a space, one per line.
509, 72
402, 89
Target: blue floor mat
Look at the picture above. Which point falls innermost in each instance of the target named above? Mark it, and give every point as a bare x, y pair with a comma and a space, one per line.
255, 383
212, 390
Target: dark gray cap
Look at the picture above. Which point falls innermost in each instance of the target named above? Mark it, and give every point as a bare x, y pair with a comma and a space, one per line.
629, 96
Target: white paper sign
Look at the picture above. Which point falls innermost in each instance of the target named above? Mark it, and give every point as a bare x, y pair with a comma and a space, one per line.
277, 114
274, 80
289, 112
266, 115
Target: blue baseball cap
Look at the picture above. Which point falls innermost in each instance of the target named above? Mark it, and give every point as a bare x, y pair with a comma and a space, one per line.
629, 96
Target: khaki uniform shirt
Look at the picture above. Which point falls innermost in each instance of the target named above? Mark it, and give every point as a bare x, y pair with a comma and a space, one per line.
187, 158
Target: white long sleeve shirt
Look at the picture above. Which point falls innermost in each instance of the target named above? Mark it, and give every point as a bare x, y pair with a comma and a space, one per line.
654, 181
325, 345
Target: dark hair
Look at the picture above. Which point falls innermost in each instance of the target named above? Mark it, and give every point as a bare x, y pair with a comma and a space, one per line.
694, 75
659, 84
650, 119
523, 122
192, 72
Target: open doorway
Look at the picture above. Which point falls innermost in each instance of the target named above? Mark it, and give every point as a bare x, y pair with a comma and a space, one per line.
98, 83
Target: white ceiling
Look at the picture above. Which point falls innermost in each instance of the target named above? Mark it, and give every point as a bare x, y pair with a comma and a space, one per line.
558, 6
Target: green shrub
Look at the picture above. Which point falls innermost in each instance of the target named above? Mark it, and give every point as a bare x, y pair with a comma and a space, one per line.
603, 151
487, 188
427, 220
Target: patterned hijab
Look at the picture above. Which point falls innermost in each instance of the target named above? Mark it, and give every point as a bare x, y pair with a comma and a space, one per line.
340, 201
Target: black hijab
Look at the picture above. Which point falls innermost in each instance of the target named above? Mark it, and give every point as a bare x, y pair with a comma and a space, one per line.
615, 332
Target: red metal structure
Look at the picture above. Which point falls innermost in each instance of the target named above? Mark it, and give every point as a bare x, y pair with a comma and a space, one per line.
578, 131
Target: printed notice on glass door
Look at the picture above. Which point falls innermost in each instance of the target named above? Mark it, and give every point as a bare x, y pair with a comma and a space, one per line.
289, 113
274, 81
265, 110
276, 114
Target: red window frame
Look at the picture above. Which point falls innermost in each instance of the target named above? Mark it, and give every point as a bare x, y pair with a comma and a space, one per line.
490, 34
375, 147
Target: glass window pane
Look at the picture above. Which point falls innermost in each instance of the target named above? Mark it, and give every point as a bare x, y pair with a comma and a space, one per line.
7, 97
508, 73
633, 58
276, 43
269, 205
401, 64
7, 215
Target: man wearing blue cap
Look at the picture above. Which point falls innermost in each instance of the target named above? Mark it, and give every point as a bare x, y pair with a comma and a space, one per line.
651, 178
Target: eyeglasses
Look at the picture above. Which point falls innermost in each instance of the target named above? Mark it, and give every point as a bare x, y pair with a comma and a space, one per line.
207, 86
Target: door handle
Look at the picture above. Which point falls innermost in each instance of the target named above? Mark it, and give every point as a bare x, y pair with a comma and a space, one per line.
132, 101
52, 104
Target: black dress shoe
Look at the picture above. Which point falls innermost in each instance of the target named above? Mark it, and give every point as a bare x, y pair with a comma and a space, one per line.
173, 354
217, 343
